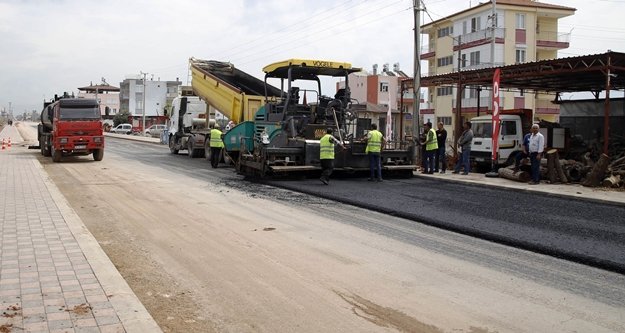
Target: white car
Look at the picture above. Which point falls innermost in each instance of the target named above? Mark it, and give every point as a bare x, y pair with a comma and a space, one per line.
155, 130
122, 129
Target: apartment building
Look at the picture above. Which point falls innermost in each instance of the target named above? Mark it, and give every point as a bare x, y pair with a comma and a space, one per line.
106, 94
374, 92
158, 96
524, 31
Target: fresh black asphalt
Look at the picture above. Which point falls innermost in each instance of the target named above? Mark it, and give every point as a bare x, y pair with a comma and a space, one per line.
582, 231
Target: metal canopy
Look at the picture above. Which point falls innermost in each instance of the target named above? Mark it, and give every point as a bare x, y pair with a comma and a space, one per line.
573, 74
593, 73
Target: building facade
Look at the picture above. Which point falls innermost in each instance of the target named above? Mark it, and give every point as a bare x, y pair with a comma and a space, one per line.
374, 92
524, 31
107, 95
158, 96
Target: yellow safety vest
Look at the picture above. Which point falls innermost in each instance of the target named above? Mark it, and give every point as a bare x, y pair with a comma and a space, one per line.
374, 144
216, 139
326, 148
431, 141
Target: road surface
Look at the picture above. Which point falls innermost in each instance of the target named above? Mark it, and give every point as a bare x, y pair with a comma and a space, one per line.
208, 251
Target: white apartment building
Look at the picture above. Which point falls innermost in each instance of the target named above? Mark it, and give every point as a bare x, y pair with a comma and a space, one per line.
524, 30
158, 96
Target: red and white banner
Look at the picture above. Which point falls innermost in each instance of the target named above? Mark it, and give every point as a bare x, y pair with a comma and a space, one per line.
496, 113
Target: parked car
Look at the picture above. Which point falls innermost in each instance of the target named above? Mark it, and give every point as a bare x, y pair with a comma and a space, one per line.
155, 130
122, 129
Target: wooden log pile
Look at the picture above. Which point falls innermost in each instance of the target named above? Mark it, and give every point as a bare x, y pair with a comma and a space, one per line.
510, 173
607, 171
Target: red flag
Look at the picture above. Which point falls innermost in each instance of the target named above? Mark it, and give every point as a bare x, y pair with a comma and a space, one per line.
496, 113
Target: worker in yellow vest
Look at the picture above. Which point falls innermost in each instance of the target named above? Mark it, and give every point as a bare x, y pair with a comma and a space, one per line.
375, 141
431, 148
216, 144
326, 155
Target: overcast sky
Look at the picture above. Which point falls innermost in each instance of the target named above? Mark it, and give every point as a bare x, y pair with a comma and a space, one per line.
48, 47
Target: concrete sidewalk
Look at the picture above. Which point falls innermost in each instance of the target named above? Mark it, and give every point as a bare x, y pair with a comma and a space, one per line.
54, 276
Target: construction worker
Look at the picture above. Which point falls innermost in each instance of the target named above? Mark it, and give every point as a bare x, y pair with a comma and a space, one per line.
326, 155
216, 144
431, 148
375, 141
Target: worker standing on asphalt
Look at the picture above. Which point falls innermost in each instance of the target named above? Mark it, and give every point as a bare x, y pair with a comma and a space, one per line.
326, 155
431, 148
536, 147
216, 144
375, 141
441, 154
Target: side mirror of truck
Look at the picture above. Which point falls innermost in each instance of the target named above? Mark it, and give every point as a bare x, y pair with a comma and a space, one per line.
50, 113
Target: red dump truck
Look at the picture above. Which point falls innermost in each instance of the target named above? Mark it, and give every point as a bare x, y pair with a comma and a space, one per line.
71, 126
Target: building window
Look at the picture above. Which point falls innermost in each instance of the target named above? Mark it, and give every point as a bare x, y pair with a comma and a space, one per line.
384, 86
475, 24
445, 61
520, 21
469, 92
139, 105
446, 31
444, 91
474, 58
463, 58
464, 27
444, 120
520, 56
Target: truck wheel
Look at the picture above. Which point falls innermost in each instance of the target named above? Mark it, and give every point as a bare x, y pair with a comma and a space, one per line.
56, 155
190, 150
45, 149
172, 145
98, 154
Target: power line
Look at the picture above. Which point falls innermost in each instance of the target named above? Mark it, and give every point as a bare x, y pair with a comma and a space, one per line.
286, 31
336, 34
270, 50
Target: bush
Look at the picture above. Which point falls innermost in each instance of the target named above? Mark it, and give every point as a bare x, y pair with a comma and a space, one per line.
121, 118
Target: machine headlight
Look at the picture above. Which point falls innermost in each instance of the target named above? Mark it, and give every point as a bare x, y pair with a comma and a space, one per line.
97, 139
63, 140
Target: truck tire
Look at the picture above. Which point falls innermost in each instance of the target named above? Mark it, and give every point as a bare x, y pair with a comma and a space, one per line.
190, 150
172, 145
45, 148
56, 155
98, 154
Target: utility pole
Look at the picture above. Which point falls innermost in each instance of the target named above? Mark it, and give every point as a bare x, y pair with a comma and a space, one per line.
417, 78
143, 108
459, 95
493, 19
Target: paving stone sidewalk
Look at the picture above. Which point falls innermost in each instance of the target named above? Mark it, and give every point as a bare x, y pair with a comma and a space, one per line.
47, 282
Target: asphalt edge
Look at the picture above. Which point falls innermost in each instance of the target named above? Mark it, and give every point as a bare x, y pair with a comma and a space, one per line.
513, 188
499, 239
133, 315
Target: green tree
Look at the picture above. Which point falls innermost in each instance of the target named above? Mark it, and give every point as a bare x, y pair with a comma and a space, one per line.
121, 118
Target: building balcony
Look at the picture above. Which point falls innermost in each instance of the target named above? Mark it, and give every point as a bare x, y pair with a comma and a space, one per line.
477, 38
552, 40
